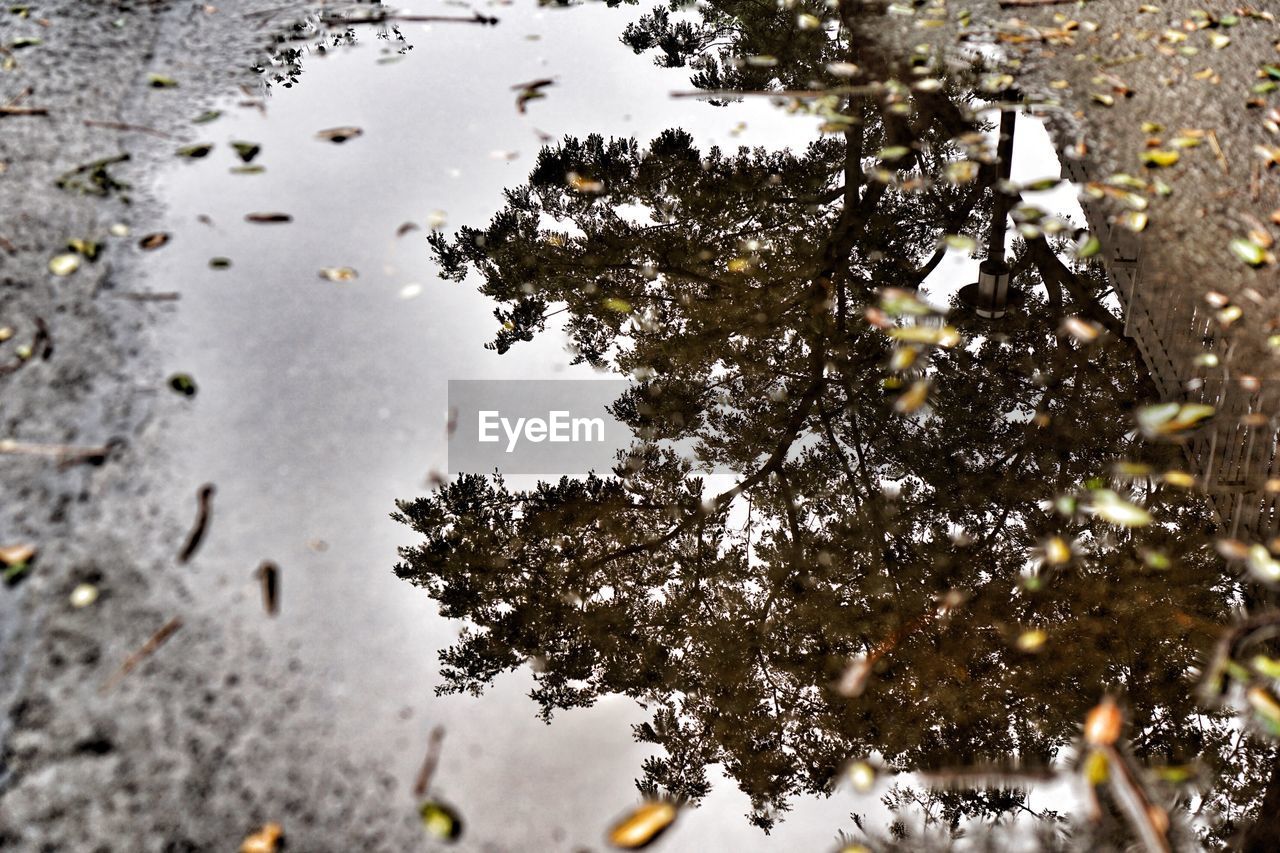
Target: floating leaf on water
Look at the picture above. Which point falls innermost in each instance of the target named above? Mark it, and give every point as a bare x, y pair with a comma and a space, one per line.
1103, 723
1082, 330
862, 776
739, 265
1266, 666
206, 117
902, 358
913, 398
161, 81
195, 152
805, 21
1207, 359
1159, 157
1103, 98
153, 241
1057, 551
409, 291
1180, 479
83, 595
1262, 565
962, 242
440, 821
962, 171
1172, 418
897, 302
1156, 560
183, 383
581, 184
268, 217
893, 152
1134, 220
265, 840
1150, 128
219, 263
246, 151
613, 303
1231, 549
248, 169
1032, 640
761, 61
942, 336
643, 825
843, 69
1114, 509
1229, 315
1219, 40
339, 134
119, 229
64, 264
1248, 251
1266, 709
436, 219
338, 274
1090, 247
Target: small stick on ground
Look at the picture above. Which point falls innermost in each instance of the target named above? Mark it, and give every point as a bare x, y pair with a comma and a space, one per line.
423, 782
1005, 4
119, 125
147, 649
6, 110
204, 500
65, 454
1217, 152
148, 296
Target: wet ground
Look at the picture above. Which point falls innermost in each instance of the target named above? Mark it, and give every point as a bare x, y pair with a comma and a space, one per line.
967, 589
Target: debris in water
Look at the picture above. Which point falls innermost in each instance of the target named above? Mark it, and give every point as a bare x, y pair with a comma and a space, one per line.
246, 151
440, 821
267, 217
429, 763
530, 91
153, 241
338, 273
183, 383
204, 500
195, 152
161, 81
268, 575
339, 134
643, 825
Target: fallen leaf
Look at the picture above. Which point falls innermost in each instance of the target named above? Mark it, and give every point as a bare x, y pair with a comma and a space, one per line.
339, 134
246, 151
195, 152
268, 217
338, 273
153, 241
440, 821
1103, 723
643, 825
64, 264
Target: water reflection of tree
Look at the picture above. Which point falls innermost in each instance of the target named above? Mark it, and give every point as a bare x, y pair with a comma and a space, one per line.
878, 484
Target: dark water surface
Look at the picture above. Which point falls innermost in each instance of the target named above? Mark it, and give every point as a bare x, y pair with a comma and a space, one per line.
945, 541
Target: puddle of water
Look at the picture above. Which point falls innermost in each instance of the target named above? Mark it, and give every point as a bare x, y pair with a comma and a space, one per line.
972, 549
